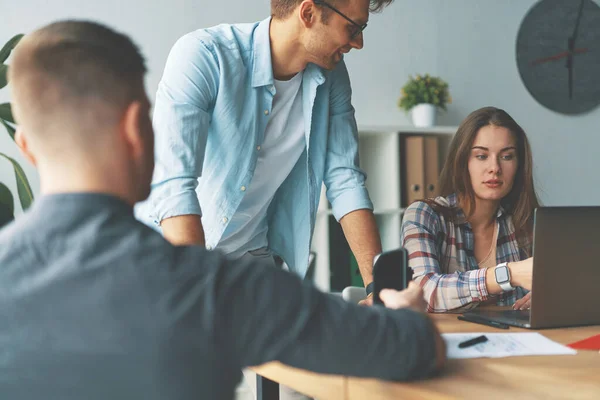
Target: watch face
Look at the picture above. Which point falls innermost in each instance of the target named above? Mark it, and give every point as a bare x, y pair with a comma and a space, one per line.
558, 54
501, 274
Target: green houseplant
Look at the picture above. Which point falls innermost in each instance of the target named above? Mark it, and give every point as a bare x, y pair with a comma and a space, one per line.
422, 95
7, 209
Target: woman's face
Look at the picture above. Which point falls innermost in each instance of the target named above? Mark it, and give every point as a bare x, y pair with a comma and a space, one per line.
493, 163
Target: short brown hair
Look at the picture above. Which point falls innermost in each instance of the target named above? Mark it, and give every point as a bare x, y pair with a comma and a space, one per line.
75, 70
281, 9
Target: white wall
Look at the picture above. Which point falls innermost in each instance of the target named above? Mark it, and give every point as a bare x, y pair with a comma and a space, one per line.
470, 43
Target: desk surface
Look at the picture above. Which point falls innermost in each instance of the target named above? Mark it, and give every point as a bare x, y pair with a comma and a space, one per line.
544, 377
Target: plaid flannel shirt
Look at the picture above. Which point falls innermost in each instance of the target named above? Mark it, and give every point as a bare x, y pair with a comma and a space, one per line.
441, 254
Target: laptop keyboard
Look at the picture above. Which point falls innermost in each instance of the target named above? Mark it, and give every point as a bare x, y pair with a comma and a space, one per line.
519, 315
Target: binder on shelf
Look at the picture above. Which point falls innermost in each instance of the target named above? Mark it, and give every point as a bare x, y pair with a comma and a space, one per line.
420, 168
432, 167
413, 171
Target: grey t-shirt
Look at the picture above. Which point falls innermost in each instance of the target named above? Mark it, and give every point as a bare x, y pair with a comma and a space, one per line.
95, 305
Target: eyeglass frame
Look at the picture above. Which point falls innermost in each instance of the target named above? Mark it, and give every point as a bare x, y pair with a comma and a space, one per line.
360, 27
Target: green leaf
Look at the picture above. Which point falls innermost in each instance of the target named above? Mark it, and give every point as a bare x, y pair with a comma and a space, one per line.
3, 75
10, 129
424, 89
6, 113
7, 205
9, 46
23, 187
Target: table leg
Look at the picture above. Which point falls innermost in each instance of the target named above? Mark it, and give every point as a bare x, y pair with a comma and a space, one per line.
266, 389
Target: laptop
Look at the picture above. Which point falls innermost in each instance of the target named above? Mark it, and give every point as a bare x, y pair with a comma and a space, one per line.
566, 271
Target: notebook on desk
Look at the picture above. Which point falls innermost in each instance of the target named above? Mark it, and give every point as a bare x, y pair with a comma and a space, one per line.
566, 271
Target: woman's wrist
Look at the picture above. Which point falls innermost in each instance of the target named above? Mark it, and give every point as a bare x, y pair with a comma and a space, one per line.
515, 273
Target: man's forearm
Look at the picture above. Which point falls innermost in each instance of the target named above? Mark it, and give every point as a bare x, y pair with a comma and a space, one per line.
362, 235
312, 330
183, 230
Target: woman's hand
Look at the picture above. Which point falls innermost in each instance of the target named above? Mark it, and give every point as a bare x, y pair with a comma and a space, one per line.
521, 273
523, 303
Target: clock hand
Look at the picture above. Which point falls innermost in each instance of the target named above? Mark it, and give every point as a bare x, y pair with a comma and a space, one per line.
575, 31
571, 47
570, 72
558, 56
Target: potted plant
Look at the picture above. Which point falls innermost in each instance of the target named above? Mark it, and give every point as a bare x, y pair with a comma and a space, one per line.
7, 209
422, 96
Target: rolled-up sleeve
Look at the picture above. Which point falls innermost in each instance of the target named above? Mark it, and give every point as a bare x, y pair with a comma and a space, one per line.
443, 291
185, 96
344, 180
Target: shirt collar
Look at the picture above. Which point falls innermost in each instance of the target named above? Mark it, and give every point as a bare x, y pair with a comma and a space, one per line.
262, 69
84, 201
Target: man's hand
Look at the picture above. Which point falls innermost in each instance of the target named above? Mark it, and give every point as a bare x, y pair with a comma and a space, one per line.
412, 297
523, 303
368, 301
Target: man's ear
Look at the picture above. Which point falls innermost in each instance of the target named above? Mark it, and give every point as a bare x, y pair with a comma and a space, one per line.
308, 13
21, 141
131, 129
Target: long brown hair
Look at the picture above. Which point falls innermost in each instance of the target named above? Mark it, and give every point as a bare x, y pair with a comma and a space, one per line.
522, 199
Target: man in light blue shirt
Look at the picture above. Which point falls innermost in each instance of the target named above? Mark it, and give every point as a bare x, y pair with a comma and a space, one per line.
250, 120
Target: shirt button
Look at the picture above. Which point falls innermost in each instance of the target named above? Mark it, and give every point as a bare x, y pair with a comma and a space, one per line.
266, 112
225, 220
243, 188
258, 148
209, 248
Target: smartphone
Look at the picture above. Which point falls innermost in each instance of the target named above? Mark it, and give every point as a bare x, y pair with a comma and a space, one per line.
390, 271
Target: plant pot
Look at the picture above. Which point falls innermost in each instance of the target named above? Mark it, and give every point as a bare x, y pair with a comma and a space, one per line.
423, 115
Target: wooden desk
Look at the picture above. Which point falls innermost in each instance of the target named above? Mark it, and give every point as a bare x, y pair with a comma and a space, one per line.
543, 377
318, 386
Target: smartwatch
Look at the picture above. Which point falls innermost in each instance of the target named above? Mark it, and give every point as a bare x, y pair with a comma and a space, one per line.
503, 277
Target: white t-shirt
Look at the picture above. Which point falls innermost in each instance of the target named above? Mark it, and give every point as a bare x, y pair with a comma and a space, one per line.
282, 146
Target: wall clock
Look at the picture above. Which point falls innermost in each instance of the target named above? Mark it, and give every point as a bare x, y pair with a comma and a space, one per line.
558, 54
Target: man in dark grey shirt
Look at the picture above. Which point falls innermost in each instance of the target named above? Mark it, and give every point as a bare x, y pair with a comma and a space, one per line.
95, 305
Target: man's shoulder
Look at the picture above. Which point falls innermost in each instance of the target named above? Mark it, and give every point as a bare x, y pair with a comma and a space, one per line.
23, 226
8, 233
222, 37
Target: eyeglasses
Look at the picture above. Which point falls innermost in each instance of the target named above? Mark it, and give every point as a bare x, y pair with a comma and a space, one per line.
358, 28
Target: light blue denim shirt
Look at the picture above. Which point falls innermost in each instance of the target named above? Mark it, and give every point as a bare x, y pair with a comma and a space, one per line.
212, 107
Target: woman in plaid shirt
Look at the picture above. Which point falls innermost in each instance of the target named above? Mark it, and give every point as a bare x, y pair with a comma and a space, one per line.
482, 222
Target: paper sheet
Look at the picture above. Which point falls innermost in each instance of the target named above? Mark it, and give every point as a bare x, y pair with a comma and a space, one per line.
504, 345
